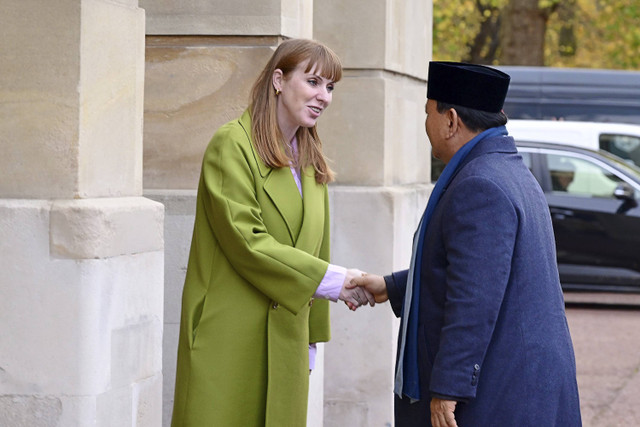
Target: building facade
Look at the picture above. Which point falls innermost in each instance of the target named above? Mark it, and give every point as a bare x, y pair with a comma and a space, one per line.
107, 108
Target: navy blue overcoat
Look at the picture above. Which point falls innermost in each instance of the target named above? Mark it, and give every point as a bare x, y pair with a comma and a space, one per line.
492, 326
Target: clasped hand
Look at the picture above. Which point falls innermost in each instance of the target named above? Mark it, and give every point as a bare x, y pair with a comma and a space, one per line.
359, 288
354, 296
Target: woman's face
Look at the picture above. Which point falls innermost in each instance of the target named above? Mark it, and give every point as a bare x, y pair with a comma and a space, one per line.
303, 98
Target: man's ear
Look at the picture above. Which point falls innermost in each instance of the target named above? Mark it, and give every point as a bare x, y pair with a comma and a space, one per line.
277, 79
453, 122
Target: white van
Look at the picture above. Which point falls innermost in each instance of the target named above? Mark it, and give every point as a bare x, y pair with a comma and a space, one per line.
620, 139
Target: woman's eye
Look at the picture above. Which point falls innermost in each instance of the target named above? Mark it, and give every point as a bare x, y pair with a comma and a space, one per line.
312, 82
330, 88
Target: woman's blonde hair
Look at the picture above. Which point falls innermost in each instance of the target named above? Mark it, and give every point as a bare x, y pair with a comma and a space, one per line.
265, 130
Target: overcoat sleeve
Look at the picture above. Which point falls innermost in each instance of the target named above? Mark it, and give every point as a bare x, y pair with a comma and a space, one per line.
396, 285
285, 274
479, 238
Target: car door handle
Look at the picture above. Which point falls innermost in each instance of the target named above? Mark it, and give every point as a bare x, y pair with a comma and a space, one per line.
558, 213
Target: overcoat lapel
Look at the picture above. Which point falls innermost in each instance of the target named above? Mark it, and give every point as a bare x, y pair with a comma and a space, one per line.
283, 192
311, 232
303, 216
279, 185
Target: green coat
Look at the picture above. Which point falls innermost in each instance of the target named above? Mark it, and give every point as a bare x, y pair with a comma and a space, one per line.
258, 253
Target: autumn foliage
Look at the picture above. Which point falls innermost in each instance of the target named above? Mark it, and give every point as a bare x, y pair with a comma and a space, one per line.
567, 33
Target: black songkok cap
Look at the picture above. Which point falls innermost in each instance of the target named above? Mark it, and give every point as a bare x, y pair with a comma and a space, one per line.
467, 85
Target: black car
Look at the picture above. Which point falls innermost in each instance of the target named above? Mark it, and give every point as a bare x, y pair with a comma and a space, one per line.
593, 199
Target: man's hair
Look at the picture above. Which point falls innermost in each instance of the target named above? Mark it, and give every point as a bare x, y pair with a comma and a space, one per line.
475, 120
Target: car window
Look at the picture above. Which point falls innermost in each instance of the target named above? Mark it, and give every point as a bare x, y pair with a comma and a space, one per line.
580, 177
624, 146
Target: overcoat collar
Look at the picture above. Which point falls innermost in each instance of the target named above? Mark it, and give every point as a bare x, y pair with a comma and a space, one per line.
302, 215
496, 144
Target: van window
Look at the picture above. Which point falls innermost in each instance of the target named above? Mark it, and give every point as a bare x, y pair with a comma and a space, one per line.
624, 146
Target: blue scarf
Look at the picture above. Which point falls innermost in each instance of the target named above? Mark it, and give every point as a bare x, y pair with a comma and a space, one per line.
407, 380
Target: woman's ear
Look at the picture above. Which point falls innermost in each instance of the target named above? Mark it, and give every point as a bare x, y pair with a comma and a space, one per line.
277, 79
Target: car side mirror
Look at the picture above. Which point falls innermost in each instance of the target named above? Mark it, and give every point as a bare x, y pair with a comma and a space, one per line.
624, 192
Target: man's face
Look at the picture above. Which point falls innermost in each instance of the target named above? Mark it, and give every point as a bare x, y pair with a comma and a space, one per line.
436, 127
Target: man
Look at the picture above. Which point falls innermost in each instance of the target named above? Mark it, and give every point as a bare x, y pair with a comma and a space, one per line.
484, 339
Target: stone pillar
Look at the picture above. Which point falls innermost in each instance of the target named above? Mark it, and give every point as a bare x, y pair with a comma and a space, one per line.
81, 252
375, 133
201, 61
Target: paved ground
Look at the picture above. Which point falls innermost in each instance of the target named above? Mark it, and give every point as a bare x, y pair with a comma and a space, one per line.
606, 336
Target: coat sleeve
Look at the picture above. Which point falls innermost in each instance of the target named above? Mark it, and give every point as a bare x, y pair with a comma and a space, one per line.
479, 238
396, 285
283, 273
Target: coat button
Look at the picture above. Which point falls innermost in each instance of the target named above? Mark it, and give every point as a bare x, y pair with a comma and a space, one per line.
310, 302
275, 306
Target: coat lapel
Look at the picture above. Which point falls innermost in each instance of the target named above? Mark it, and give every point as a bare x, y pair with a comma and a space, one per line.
312, 229
283, 192
303, 216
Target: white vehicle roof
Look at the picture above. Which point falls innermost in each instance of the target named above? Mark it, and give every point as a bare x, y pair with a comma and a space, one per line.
580, 134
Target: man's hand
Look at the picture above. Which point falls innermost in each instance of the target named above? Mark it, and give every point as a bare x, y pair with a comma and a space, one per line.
372, 283
354, 296
442, 413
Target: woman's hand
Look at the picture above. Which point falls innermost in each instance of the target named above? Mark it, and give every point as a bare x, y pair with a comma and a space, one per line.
355, 296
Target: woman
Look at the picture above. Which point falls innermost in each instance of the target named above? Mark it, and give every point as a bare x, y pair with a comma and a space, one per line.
258, 281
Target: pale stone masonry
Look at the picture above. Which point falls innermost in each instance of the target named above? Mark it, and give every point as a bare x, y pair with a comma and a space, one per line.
81, 251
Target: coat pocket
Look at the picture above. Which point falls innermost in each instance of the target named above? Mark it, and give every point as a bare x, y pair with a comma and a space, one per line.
195, 320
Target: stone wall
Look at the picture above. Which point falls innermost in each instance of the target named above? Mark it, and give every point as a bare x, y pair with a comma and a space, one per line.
81, 251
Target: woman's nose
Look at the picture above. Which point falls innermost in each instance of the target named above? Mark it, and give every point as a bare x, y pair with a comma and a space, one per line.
324, 95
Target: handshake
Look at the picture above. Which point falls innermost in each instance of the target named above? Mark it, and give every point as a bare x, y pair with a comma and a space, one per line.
360, 288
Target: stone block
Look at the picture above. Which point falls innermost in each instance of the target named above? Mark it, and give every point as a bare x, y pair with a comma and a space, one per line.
397, 36
340, 25
30, 411
192, 87
136, 353
296, 18
39, 76
374, 130
102, 228
408, 37
115, 407
147, 402
291, 18
111, 89
74, 101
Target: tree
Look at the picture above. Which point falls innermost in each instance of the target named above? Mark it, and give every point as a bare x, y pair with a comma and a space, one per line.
569, 33
522, 35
